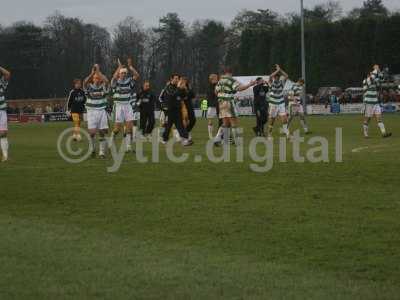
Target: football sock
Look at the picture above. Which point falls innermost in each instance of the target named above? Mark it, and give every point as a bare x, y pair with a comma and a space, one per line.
4, 147
210, 131
93, 143
128, 140
382, 127
102, 145
235, 135
365, 127
285, 129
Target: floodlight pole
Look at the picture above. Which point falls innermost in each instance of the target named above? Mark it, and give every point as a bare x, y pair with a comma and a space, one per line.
303, 56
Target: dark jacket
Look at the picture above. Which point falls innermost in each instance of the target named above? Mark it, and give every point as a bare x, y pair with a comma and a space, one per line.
147, 101
76, 101
260, 95
171, 98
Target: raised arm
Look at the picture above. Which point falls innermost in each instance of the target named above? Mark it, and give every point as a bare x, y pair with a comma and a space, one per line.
135, 73
6, 73
243, 87
88, 79
283, 73
278, 69
104, 79
116, 73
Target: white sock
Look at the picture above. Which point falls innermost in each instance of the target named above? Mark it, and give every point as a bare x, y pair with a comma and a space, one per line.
365, 127
102, 146
285, 129
210, 131
4, 147
382, 127
128, 140
235, 135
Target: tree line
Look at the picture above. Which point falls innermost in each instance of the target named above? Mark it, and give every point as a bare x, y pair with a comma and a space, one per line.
340, 47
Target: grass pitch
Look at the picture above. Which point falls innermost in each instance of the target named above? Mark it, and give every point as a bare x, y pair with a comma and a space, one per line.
202, 231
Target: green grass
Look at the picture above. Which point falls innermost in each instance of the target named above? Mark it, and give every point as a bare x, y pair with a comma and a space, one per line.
201, 231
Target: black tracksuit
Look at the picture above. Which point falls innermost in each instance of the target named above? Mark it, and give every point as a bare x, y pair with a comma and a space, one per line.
188, 96
261, 106
173, 100
147, 102
76, 101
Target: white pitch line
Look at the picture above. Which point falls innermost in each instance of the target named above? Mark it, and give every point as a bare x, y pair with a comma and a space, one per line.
357, 150
376, 148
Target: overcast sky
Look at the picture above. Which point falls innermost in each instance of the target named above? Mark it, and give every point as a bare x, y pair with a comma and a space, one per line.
109, 12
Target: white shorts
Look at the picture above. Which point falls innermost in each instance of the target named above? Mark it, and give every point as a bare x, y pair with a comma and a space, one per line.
212, 113
372, 110
97, 119
296, 109
227, 109
277, 110
3, 120
123, 113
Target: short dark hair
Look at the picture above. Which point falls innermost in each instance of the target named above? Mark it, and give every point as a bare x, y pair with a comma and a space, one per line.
174, 75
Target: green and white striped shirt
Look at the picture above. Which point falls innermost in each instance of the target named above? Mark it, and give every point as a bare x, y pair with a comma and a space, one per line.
96, 97
276, 92
296, 92
124, 90
371, 86
226, 88
3, 87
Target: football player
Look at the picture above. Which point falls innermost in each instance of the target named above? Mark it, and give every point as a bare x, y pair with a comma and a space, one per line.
373, 108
